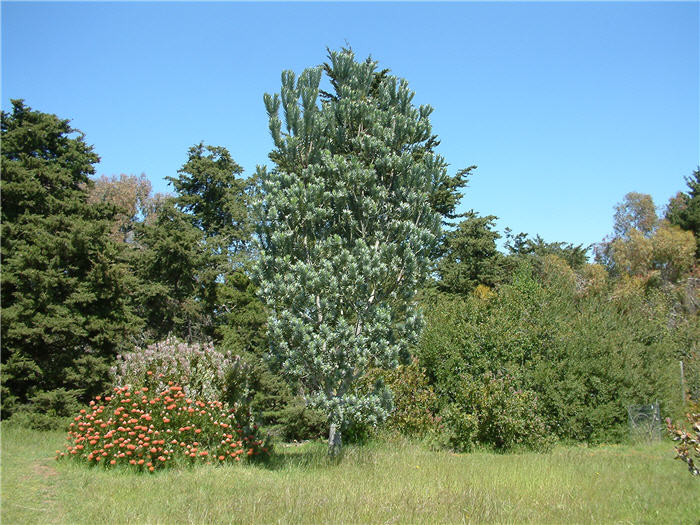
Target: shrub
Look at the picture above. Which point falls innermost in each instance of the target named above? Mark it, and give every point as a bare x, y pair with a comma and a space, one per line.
150, 430
199, 368
414, 400
47, 410
587, 353
493, 411
688, 448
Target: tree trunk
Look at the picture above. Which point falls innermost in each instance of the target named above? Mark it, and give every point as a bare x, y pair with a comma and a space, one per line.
335, 442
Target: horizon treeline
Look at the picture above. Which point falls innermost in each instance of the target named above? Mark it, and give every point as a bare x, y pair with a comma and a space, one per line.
519, 347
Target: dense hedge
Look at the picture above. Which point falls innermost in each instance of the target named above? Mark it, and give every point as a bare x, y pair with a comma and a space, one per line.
585, 351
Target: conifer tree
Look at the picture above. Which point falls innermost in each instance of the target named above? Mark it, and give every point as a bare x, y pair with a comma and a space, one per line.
346, 231
684, 209
66, 309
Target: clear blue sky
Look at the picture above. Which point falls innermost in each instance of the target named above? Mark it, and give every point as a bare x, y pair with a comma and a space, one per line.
565, 107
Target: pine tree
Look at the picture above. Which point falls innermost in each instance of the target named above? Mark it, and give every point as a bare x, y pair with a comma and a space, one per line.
346, 232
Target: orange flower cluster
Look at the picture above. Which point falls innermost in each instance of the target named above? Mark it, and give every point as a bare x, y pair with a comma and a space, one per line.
150, 432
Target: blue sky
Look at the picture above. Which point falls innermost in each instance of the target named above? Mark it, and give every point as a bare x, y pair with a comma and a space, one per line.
564, 106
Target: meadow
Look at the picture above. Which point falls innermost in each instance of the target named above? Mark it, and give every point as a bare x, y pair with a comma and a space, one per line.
393, 481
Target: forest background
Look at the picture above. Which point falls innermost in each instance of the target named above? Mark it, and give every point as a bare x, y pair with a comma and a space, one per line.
525, 341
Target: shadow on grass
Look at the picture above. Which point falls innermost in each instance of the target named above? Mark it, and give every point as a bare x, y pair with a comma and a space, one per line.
309, 456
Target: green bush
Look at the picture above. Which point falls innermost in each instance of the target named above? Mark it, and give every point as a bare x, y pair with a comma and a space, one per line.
492, 411
414, 400
586, 351
47, 410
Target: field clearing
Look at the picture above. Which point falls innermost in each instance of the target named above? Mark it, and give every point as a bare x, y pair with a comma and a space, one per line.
393, 482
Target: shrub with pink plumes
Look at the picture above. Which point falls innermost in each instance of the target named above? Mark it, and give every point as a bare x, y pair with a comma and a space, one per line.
199, 368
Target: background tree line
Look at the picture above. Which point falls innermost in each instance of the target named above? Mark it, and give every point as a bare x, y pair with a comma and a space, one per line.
518, 348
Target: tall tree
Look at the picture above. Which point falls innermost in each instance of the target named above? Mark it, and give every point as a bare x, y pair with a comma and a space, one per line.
470, 256
209, 188
644, 245
346, 231
194, 249
636, 212
65, 287
684, 209
170, 260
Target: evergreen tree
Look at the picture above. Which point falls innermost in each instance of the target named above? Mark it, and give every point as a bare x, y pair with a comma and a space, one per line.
209, 188
170, 261
684, 209
191, 247
346, 231
66, 309
470, 256
522, 245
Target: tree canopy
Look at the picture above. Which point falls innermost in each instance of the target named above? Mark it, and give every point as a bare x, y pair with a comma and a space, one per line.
66, 309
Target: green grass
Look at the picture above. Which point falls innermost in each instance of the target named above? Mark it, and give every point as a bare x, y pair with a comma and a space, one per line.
393, 482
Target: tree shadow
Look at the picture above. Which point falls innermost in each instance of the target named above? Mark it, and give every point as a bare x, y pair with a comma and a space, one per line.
309, 456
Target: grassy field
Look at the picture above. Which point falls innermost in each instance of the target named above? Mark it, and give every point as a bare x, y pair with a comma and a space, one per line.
381, 483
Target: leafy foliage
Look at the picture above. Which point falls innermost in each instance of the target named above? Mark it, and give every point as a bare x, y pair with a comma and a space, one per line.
414, 401
688, 448
643, 245
587, 350
129, 195
492, 410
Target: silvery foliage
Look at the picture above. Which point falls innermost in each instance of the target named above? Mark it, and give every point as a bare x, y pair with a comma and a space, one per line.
346, 231
198, 368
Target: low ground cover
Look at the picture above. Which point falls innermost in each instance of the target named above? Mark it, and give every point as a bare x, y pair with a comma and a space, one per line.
396, 482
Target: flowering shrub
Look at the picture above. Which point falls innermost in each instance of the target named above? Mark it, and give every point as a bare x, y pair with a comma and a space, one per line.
688, 441
151, 430
199, 368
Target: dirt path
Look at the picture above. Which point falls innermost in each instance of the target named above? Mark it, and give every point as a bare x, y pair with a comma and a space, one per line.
45, 472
